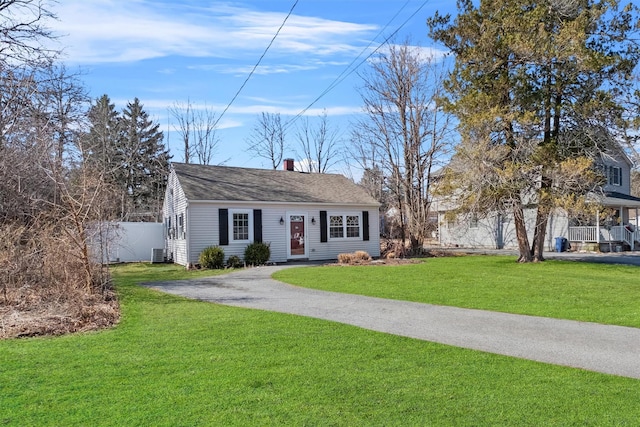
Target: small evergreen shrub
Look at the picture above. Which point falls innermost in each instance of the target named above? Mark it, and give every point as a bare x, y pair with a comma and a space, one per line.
212, 257
234, 261
257, 254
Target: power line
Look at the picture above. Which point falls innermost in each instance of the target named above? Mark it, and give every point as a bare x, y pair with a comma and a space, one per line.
256, 65
343, 76
337, 80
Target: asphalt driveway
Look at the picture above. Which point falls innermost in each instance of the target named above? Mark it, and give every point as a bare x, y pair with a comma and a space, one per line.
602, 348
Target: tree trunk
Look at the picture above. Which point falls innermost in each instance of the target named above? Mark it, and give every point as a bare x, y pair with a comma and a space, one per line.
521, 234
540, 232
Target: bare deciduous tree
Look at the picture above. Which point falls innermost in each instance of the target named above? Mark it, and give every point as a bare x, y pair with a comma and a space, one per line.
49, 200
183, 115
23, 32
319, 146
405, 129
65, 101
267, 139
197, 129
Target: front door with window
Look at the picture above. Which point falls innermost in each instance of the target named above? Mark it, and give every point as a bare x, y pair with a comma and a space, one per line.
297, 236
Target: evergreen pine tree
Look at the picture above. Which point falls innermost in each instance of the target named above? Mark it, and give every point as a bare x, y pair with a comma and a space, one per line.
100, 145
145, 163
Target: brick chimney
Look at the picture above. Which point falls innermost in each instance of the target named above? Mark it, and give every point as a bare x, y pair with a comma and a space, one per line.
288, 164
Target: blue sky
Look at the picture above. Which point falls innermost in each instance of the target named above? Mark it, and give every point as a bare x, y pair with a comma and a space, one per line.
165, 52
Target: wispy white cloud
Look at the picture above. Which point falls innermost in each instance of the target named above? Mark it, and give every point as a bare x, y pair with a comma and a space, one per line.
99, 31
260, 70
160, 108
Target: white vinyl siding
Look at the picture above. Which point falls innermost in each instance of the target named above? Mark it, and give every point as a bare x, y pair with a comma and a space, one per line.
175, 205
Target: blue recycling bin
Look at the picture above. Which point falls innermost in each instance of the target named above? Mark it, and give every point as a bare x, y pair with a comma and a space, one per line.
561, 244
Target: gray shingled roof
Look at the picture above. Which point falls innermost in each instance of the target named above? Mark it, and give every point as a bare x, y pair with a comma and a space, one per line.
203, 182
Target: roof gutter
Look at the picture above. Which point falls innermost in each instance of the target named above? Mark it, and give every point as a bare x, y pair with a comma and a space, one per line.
263, 202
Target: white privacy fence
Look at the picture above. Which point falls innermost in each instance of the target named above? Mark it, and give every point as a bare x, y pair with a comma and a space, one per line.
127, 241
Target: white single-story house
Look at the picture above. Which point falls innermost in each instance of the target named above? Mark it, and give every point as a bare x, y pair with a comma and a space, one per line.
300, 215
497, 230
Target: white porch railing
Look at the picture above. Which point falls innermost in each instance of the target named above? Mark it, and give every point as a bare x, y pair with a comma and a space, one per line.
583, 234
589, 234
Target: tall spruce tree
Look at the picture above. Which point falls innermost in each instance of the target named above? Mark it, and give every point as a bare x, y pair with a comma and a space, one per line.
538, 89
100, 144
145, 163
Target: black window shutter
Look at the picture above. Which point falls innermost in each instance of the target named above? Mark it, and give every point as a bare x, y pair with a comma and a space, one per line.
323, 226
257, 225
223, 226
365, 225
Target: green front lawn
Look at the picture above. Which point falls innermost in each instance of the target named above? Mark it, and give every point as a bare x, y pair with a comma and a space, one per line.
561, 289
176, 362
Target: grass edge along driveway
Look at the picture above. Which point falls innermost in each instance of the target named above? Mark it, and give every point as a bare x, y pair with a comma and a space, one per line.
600, 293
173, 361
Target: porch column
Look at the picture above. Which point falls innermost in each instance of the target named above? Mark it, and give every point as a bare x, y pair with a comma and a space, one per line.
622, 229
598, 228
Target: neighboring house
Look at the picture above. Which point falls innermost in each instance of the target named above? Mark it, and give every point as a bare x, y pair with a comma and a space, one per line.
618, 232
300, 215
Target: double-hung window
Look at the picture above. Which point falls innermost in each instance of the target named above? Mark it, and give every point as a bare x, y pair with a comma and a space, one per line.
241, 225
353, 226
615, 175
336, 226
181, 233
344, 226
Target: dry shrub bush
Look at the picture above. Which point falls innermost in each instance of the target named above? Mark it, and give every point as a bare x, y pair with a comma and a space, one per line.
356, 258
361, 256
345, 258
393, 248
47, 284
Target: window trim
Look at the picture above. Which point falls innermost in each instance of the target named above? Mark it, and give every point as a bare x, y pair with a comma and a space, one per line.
615, 176
341, 227
249, 213
181, 227
344, 216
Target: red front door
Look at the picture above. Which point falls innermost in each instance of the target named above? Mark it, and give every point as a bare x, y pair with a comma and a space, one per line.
297, 233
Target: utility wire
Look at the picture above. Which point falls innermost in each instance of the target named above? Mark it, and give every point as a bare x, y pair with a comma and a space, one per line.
343, 76
256, 65
337, 80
